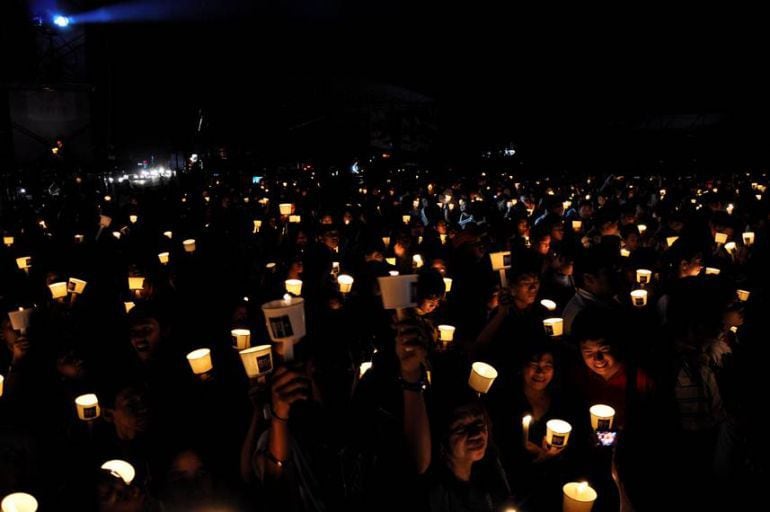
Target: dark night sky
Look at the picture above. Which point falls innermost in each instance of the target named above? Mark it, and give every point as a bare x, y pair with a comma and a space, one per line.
555, 78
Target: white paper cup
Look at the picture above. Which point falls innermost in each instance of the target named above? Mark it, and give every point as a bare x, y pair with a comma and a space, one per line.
557, 433
116, 235
386, 241
58, 290
712, 271
8, 241
642, 228
168, 234
20, 318
135, 283
19, 502
577, 225
643, 276
625, 253
241, 338
743, 295
730, 248
748, 238
500, 260
548, 304
601, 417
79, 239
294, 286
346, 283
578, 497
257, 360
285, 208
257, 226
105, 221
554, 326
133, 219
482, 377
24, 263
391, 261
393, 272
446, 333
639, 298
363, 368
398, 291
295, 219
75, 285
120, 469
285, 318
443, 238
448, 284
189, 245
406, 218
417, 261
129, 305
720, 238
671, 240
200, 360
163, 257
87, 407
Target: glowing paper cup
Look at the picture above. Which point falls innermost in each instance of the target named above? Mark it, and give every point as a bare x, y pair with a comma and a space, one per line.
20, 319
79, 239
257, 226
163, 258
391, 261
482, 377
712, 271
671, 240
643, 276
135, 283
168, 234
58, 290
639, 298
448, 284
120, 469
748, 238
500, 260
295, 219
554, 326
386, 241
19, 502
405, 219
625, 253
557, 433
285, 208
133, 219
24, 263
363, 368
720, 238
8, 241
446, 333
294, 286
285, 318
398, 291
87, 407
241, 338
2, 380
548, 304
601, 417
577, 225
189, 245
257, 360
743, 295
417, 261
642, 228
76, 286
578, 497
346, 283
200, 360
129, 306
443, 238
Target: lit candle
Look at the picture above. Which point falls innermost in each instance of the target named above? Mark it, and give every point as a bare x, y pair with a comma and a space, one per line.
712, 271
670, 240
133, 218
120, 469
189, 245
19, 502
557, 433
554, 326
363, 368
642, 228
720, 238
639, 298
601, 417
241, 338
482, 377
8, 241
294, 286
200, 360
448, 284
257, 226
643, 276
525, 421
257, 360
346, 283
58, 290
168, 234
578, 497
87, 407
446, 333
748, 238
743, 295
285, 208
548, 304
163, 257
577, 225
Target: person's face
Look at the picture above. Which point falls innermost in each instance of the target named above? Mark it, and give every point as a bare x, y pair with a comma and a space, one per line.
441, 228
399, 250
586, 211
145, 338
439, 265
692, 267
70, 365
523, 227
331, 240
131, 414
544, 245
327, 219
539, 373
557, 232
610, 228
468, 438
429, 305
598, 359
632, 241
301, 239
525, 290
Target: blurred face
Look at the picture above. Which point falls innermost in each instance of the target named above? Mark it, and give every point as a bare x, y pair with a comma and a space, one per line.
468, 438
544, 245
632, 242
586, 211
597, 357
691, 268
523, 227
331, 240
539, 373
525, 290
145, 338
131, 415
441, 227
557, 232
429, 305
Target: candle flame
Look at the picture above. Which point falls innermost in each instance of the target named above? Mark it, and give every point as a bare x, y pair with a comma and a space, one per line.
526, 420
582, 486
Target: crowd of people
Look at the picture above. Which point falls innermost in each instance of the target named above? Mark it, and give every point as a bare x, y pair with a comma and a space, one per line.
371, 409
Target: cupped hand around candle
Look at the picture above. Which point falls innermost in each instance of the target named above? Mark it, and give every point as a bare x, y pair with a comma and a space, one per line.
288, 387
412, 349
544, 452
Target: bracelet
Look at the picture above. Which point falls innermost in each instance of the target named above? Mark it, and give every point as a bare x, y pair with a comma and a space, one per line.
274, 415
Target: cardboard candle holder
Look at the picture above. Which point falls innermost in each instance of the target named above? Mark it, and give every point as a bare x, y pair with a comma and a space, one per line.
446, 333
257, 226
720, 238
200, 361
189, 245
554, 327
20, 319
8, 241
712, 271
294, 286
241, 338
363, 368
671, 240
482, 377
76, 286
257, 360
133, 219
500, 260
548, 304
19, 502
639, 298
748, 238
87, 407
557, 433
120, 469
24, 263
643, 276
578, 497
577, 225
285, 208
163, 257
398, 292
168, 234
447, 284
601, 417
386, 241
58, 290
346, 283
743, 295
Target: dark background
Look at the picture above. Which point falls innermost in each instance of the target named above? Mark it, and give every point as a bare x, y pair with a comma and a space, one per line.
572, 88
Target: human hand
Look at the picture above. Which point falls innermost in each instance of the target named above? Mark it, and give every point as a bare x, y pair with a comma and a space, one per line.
412, 343
288, 386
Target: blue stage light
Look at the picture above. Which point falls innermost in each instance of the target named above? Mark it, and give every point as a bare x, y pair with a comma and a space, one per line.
61, 21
